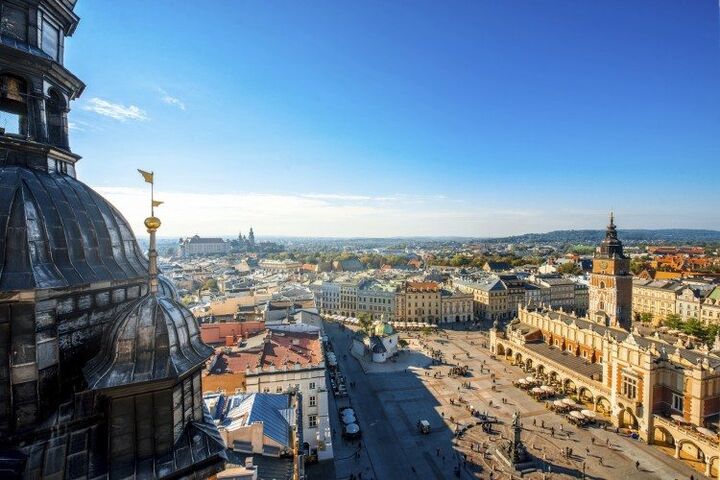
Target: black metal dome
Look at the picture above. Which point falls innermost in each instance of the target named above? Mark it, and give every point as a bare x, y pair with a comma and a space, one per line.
154, 338
56, 232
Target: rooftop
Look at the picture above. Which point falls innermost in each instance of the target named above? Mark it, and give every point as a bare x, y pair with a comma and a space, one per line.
279, 349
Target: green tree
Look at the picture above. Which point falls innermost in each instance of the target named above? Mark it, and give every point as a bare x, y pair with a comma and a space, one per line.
459, 260
694, 327
673, 320
711, 331
646, 317
637, 265
365, 323
570, 268
210, 284
582, 249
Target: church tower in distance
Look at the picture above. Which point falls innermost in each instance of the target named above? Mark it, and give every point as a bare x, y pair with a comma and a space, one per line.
611, 282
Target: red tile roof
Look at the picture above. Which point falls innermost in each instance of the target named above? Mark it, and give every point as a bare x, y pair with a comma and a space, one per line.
280, 349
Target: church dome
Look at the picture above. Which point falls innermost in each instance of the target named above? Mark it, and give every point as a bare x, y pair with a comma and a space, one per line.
383, 329
154, 338
61, 233
167, 288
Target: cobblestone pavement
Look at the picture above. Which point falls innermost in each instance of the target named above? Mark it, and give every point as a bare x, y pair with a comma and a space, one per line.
389, 405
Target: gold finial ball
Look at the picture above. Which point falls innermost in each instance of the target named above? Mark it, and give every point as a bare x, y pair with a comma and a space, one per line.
152, 223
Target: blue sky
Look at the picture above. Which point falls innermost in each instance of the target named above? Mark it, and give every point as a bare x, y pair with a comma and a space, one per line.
401, 118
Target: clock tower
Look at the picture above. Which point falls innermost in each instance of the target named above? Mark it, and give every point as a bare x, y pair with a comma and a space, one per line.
611, 282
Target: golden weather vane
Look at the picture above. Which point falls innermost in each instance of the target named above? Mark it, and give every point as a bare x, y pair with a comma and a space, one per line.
152, 223
149, 177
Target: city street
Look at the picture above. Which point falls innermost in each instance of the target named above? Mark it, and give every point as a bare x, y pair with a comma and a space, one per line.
388, 406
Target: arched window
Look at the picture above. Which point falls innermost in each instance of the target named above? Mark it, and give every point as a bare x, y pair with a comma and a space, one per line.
55, 112
602, 284
13, 105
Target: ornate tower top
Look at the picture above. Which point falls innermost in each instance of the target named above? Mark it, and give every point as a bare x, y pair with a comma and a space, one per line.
35, 87
611, 246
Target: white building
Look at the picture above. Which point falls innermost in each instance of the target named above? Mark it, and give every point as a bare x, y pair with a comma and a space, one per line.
203, 246
286, 361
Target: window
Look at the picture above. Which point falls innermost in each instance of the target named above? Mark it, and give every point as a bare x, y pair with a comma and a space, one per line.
678, 402
311, 385
266, 390
55, 107
313, 401
10, 122
50, 39
13, 108
278, 389
14, 23
629, 387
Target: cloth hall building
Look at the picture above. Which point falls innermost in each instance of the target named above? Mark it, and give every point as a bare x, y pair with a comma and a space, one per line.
663, 387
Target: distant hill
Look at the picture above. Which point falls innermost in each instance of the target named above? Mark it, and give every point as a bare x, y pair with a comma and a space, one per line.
670, 235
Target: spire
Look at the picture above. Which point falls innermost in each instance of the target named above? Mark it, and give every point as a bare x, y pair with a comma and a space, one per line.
612, 219
152, 223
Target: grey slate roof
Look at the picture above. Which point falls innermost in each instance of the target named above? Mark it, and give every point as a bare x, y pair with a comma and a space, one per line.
61, 233
153, 338
272, 409
377, 345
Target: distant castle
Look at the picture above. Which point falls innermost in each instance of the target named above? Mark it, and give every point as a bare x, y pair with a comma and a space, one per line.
247, 242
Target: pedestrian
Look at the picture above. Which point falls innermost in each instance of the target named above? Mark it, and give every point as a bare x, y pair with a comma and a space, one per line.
592, 440
607, 442
437, 452
534, 422
637, 464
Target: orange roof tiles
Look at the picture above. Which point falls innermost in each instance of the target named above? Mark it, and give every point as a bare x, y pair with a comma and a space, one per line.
280, 349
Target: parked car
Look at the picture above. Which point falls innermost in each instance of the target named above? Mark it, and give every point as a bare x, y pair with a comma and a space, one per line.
423, 426
351, 431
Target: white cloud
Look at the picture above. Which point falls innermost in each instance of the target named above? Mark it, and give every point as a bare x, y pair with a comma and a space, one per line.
115, 110
344, 215
170, 100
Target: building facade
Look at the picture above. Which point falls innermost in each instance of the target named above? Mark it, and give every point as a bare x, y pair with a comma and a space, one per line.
655, 297
376, 299
196, 245
639, 379
419, 302
456, 306
289, 361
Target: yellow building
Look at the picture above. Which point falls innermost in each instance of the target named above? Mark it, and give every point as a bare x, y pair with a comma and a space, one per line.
661, 386
656, 297
418, 302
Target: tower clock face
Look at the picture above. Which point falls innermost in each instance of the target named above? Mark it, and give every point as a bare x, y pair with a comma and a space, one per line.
603, 265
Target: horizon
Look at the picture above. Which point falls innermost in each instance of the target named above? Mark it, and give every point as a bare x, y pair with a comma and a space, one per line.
434, 237
481, 120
